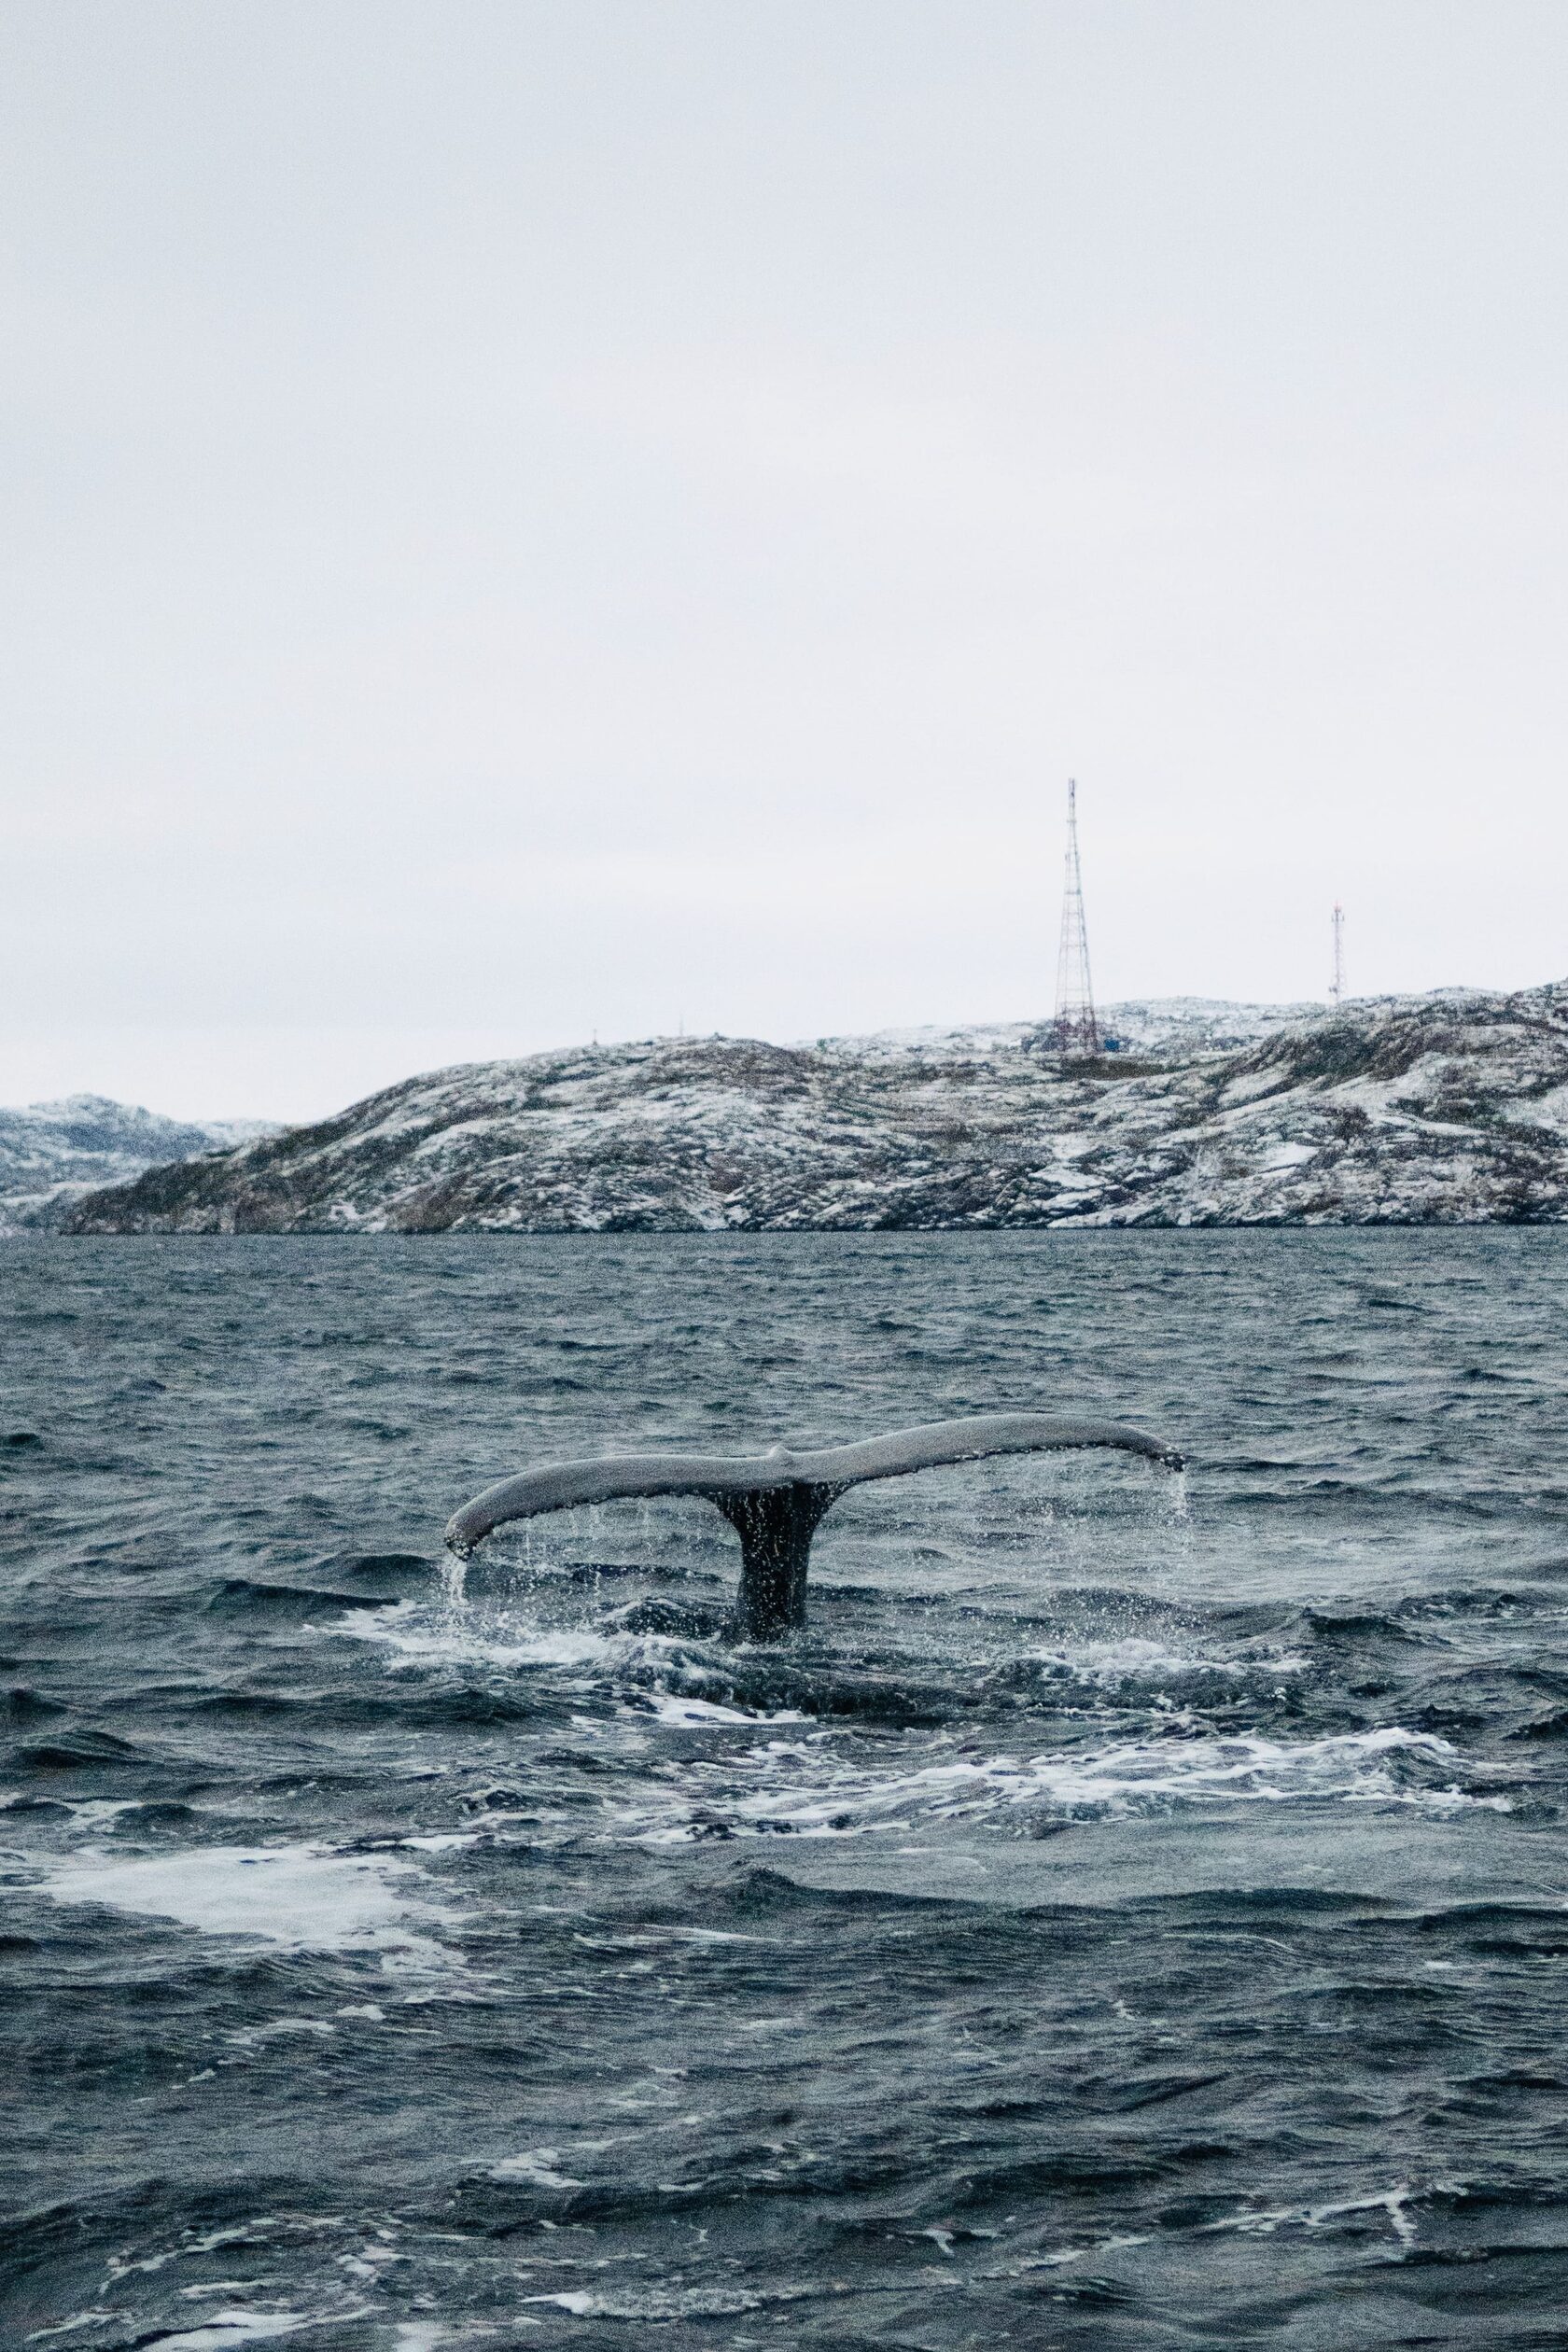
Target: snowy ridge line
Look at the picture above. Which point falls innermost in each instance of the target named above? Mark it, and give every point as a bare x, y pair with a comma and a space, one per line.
52, 1152
1451, 1108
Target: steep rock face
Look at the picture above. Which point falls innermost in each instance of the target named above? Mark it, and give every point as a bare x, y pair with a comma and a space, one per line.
1451, 1108
51, 1153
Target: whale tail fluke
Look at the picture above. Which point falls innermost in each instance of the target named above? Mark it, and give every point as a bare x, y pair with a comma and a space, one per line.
775, 1501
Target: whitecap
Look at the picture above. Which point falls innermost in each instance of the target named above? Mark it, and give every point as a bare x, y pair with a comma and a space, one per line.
226, 2327
1133, 1657
538, 2167
501, 1642
1263, 2220
417, 1638
787, 1788
694, 1712
307, 1898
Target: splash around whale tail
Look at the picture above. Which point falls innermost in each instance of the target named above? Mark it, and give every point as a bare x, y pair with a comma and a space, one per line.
775, 1501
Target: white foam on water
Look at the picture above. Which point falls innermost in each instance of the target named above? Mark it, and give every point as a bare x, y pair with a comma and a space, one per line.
252, 2233
539, 2166
1134, 1775
714, 1935
1264, 2220
226, 2327
694, 1712
490, 1639
304, 1896
100, 1813
1135, 1659
498, 1640
1062, 2257
664, 2304
693, 2303
278, 2028
418, 1638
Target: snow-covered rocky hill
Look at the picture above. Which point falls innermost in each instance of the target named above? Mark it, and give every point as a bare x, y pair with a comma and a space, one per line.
51, 1153
1450, 1109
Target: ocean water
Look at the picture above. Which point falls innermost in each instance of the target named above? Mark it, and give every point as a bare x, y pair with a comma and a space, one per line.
1135, 1913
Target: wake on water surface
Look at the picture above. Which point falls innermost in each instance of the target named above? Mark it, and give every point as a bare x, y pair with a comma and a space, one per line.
1130, 1915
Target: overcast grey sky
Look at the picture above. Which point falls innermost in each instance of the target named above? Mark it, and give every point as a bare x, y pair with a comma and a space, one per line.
525, 519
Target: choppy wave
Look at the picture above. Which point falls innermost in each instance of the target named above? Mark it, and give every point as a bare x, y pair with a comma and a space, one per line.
795, 1790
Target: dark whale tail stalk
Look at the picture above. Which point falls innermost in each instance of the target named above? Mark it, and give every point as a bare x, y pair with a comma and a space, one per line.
775, 1501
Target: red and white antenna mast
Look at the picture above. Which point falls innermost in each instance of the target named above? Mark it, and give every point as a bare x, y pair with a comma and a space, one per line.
1337, 985
1077, 1030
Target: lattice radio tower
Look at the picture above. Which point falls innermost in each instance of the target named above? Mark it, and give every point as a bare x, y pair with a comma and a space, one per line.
1077, 1030
1337, 985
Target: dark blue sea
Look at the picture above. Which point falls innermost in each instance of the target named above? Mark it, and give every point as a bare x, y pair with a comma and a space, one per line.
1134, 1914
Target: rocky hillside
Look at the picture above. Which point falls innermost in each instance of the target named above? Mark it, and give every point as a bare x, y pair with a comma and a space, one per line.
1450, 1109
51, 1153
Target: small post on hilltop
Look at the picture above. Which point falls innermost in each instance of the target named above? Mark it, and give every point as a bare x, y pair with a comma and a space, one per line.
1337, 985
